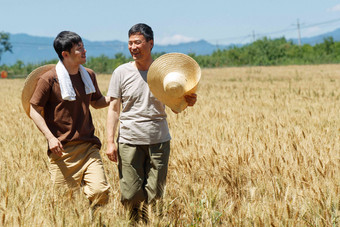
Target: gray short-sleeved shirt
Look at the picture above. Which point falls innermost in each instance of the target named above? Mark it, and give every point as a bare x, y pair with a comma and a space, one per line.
143, 117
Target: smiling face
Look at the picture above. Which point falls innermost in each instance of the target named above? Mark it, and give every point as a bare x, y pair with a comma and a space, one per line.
139, 48
77, 54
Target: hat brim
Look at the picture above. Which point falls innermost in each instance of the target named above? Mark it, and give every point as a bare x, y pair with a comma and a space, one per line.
30, 85
168, 63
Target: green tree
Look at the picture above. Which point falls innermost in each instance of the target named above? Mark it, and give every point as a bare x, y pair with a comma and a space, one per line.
5, 45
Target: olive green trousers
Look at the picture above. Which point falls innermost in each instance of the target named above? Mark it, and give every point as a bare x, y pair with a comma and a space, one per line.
142, 172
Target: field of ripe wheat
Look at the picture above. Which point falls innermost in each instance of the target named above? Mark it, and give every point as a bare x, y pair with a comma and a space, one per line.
260, 148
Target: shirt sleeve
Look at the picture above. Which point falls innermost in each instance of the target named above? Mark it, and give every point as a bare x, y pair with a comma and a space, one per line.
97, 95
114, 87
41, 93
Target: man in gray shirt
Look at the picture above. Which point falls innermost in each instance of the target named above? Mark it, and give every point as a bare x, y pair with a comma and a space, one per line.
144, 140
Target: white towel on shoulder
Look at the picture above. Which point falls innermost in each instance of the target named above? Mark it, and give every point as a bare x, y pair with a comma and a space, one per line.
66, 88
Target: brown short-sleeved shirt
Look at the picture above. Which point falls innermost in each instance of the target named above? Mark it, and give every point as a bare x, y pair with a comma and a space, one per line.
67, 120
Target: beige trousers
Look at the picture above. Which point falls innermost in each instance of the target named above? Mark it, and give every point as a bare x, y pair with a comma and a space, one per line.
81, 166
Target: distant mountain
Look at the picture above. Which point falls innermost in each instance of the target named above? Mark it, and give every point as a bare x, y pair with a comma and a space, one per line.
34, 49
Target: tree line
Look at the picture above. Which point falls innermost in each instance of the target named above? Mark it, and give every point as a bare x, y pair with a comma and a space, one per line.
269, 52
263, 52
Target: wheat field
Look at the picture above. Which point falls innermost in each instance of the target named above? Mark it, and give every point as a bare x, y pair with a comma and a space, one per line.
261, 147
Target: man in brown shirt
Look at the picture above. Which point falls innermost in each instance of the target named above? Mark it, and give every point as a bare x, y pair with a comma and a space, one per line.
66, 122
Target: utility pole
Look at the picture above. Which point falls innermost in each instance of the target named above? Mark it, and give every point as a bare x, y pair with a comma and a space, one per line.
299, 34
217, 46
254, 36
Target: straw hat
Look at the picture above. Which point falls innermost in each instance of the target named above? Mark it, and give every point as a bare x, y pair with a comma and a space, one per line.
171, 77
30, 85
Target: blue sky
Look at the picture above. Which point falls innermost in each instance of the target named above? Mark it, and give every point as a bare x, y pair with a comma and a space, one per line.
173, 21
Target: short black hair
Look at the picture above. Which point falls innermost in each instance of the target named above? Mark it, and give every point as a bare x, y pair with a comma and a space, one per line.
65, 41
143, 29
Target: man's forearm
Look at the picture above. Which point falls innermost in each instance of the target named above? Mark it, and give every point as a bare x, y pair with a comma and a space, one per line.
112, 120
39, 121
104, 101
112, 123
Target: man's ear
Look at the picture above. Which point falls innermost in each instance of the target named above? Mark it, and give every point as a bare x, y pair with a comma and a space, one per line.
65, 54
151, 43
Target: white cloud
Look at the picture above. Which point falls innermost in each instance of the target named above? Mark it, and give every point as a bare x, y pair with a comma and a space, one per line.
175, 39
335, 8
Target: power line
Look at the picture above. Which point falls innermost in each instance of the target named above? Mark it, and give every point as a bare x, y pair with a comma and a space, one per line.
322, 23
277, 32
300, 27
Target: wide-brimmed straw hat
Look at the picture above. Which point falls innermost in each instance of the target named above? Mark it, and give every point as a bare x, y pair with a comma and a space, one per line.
171, 77
30, 85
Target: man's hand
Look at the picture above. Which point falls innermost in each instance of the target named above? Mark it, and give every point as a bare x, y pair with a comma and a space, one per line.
55, 146
111, 152
53, 143
191, 99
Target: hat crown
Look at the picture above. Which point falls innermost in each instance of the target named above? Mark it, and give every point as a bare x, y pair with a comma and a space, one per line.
172, 76
174, 84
